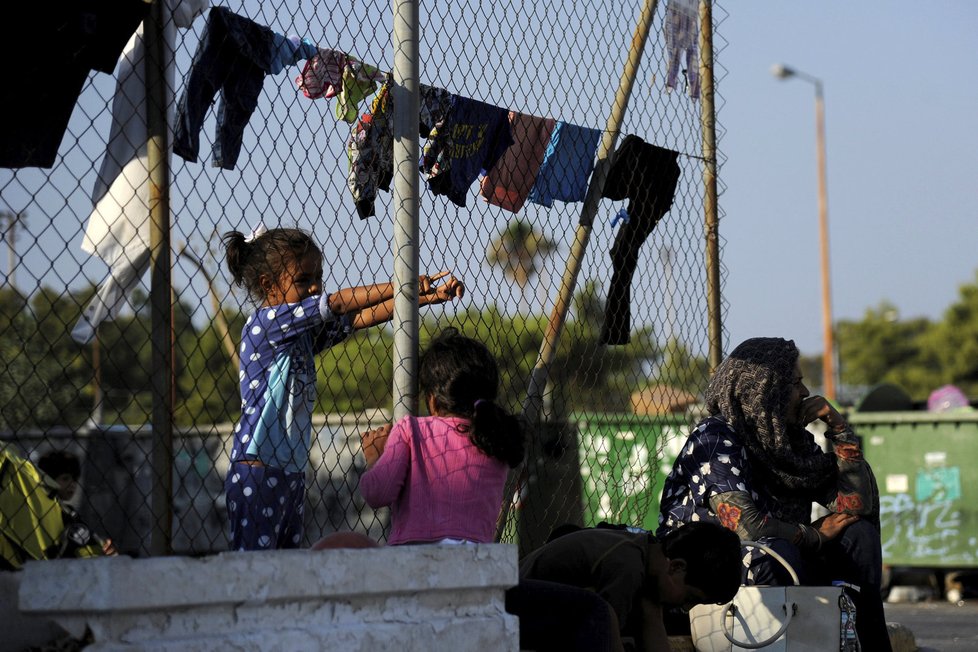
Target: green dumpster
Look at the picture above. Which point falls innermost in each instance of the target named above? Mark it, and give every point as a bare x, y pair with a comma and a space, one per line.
925, 465
624, 460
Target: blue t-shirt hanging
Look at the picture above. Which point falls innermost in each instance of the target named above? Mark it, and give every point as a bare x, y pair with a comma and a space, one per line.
471, 140
566, 166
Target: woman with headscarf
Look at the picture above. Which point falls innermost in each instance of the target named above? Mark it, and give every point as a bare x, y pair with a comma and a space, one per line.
753, 467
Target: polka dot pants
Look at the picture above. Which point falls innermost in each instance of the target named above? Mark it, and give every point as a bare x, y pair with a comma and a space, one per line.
264, 507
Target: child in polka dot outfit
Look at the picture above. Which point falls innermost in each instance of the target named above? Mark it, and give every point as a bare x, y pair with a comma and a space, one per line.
282, 271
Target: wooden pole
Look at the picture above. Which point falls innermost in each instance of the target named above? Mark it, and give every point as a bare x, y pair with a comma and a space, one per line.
161, 289
710, 212
533, 405
828, 339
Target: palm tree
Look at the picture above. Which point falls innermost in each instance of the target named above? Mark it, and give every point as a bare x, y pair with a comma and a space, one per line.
520, 251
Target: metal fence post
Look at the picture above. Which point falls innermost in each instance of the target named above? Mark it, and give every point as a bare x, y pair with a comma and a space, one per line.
161, 290
404, 94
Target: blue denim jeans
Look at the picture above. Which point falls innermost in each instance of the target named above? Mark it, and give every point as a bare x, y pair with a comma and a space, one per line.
855, 556
233, 56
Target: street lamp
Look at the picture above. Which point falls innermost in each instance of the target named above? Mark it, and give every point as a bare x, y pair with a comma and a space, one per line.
828, 358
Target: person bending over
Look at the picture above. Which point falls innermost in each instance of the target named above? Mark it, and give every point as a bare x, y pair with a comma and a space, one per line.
588, 589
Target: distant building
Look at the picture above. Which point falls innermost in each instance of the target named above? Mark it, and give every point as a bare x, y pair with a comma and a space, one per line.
658, 400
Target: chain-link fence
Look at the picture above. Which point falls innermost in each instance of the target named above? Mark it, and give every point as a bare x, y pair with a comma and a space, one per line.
77, 337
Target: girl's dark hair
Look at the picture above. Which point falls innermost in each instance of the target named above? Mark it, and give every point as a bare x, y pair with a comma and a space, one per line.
268, 255
461, 375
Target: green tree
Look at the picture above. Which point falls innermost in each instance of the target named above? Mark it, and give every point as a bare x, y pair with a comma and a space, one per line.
682, 369
45, 376
208, 383
597, 377
127, 366
879, 348
811, 369
950, 348
358, 373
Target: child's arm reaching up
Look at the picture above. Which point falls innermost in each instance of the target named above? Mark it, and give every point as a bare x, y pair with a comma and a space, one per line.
360, 297
374, 304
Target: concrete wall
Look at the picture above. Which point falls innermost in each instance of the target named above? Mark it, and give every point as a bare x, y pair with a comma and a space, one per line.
394, 598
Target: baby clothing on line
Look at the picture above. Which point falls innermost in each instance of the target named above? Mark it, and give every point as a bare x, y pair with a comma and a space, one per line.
508, 183
370, 147
566, 166
288, 51
233, 57
331, 73
471, 139
682, 34
322, 76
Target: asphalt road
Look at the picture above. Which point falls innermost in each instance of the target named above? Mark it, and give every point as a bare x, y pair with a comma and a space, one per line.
938, 626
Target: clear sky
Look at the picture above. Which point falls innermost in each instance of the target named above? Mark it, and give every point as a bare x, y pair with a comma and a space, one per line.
902, 157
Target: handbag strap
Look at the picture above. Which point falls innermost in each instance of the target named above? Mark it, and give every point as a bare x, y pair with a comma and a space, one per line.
776, 555
731, 610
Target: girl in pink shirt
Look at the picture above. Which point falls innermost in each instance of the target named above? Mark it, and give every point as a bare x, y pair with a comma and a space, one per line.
443, 475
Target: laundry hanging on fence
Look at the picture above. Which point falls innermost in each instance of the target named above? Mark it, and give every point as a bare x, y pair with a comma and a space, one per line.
322, 76
370, 147
508, 183
647, 175
233, 57
681, 29
472, 138
46, 81
331, 73
119, 224
289, 50
358, 83
566, 166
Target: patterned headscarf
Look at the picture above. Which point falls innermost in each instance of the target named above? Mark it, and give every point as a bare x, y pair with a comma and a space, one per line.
751, 390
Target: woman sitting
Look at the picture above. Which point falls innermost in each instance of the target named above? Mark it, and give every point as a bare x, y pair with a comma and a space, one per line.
754, 468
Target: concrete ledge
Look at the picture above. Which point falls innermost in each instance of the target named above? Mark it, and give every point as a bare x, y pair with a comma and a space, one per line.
409, 597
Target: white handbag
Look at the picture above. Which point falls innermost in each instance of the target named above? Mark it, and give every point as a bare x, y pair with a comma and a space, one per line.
786, 618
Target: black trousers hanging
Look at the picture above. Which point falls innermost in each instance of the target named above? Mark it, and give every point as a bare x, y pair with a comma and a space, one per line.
647, 175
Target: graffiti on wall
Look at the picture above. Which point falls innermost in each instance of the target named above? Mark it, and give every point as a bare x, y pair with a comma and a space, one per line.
623, 473
926, 524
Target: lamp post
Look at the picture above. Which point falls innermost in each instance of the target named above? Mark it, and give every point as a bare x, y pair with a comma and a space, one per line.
828, 357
